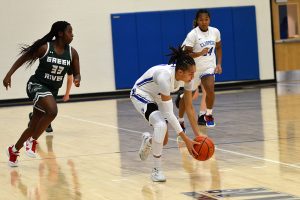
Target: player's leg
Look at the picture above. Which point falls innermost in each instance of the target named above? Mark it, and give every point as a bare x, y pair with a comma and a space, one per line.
146, 106
49, 106
180, 99
160, 128
202, 108
44, 113
208, 83
35, 92
49, 129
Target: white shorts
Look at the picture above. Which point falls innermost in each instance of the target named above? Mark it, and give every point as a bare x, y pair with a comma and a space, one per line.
140, 99
200, 74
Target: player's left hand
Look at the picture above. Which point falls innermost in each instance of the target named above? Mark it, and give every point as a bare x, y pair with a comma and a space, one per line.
76, 80
7, 82
218, 69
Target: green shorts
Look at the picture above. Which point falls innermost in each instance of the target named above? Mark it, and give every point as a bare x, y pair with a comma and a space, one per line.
36, 90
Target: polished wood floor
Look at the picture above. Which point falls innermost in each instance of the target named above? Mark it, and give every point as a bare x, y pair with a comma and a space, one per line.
92, 153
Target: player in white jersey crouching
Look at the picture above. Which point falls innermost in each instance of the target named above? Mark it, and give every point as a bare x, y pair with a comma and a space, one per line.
201, 43
151, 96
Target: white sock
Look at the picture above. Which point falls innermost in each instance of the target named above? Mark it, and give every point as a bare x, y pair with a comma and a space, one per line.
14, 149
209, 112
202, 112
31, 139
157, 162
180, 119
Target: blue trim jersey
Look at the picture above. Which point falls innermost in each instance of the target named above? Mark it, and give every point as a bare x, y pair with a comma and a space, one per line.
53, 67
200, 40
160, 79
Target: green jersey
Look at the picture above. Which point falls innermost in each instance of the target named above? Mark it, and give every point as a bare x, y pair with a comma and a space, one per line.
53, 67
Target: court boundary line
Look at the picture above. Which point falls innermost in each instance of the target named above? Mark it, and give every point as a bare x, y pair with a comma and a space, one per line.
224, 150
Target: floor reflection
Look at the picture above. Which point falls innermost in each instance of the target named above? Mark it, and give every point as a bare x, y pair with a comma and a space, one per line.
52, 182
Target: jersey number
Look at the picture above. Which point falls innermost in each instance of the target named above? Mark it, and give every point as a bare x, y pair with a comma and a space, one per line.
56, 69
209, 52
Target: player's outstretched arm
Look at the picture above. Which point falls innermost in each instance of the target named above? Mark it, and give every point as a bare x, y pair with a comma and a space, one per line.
19, 62
167, 109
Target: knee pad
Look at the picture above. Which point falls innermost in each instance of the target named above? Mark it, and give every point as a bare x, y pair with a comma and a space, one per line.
151, 107
159, 125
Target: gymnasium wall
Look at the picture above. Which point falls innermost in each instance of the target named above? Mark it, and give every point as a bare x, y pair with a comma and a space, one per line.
26, 21
146, 36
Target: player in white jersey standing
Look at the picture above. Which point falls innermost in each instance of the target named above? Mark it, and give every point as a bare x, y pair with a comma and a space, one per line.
151, 96
201, 43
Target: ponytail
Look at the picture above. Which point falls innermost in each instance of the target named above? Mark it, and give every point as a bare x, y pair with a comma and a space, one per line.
30, 50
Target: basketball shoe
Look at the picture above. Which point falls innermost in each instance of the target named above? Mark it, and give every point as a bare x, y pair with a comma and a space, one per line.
12, 161
157, 175
201, 120
30, 148
209, 121
145, 148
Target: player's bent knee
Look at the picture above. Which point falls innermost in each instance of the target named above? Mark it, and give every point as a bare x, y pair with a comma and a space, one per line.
151, 107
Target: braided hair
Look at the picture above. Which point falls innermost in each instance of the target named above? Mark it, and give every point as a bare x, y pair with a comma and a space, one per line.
199, 12
180, 58
30, 50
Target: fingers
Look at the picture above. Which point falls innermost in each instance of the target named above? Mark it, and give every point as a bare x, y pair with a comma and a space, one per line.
76, 83
6, 85
195, 152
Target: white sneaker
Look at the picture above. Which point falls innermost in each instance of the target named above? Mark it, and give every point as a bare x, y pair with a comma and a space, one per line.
157, 175
145, 148
30, 148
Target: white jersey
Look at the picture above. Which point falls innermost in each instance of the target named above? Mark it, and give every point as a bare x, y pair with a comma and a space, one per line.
200, 40
160, 79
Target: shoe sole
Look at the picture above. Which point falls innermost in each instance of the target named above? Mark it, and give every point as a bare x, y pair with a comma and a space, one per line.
156, 180
10, 163
210, 126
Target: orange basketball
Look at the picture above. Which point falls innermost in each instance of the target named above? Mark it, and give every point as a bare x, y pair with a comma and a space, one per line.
206, 148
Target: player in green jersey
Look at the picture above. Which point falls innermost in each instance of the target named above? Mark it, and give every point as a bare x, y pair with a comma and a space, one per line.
56, 58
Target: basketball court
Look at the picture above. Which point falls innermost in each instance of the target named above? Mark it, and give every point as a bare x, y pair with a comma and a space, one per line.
93, 152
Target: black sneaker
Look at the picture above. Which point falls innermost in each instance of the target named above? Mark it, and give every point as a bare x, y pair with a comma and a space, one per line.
178, 97
49, 129
201, 120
